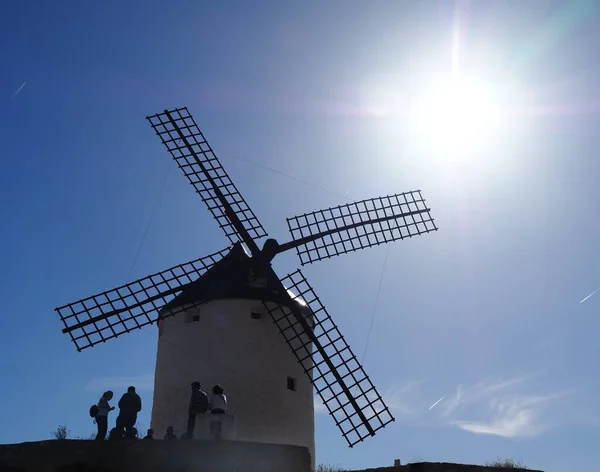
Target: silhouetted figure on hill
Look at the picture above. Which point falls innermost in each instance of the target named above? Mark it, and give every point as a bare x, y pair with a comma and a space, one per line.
149, 434
198, 406
170, 436
102, 416
130, 405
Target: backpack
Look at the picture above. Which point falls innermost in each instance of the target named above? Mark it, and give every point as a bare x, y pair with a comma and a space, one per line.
93, 411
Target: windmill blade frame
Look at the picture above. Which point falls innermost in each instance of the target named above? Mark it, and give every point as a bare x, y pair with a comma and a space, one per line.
346, 228
110, 314
328, 361
187, 145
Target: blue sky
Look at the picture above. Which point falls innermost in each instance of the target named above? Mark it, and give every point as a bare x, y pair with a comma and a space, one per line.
485, 313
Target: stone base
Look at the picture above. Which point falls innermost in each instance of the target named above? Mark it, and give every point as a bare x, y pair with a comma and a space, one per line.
209, 427
152, 456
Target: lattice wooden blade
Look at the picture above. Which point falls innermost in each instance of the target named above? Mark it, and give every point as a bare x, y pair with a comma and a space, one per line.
186, 144
345, 228
110, 314
339, 379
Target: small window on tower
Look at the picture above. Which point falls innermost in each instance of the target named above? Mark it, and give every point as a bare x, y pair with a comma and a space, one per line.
291, 384
256, 312
192, 317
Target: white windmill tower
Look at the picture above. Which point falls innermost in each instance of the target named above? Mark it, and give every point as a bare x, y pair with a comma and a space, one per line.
228, 318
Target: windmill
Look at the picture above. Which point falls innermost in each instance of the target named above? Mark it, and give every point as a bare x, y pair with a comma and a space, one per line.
268, 340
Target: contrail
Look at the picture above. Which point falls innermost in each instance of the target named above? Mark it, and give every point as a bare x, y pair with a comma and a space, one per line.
436, 403
590, 295
18, 90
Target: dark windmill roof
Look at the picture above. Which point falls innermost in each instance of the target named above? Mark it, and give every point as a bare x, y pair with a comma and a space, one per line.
231, 277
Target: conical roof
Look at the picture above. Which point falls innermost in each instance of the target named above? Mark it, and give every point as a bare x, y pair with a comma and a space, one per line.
232, 277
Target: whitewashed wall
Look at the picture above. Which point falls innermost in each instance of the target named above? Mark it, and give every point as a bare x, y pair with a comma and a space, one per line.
248, 357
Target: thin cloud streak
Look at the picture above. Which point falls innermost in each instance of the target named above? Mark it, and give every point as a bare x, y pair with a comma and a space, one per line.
590, 295
18, 90
436, 403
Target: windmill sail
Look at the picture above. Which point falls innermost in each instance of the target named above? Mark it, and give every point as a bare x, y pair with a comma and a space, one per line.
110, 314
185, 142
346, 228
335, 372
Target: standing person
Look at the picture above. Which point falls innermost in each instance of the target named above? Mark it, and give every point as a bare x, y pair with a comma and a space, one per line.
218, 406
102, 415
149, 434
198, 406
218, 401
130, 405
170, 436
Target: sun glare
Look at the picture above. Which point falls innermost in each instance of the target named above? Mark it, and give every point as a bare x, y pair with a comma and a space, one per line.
456, 117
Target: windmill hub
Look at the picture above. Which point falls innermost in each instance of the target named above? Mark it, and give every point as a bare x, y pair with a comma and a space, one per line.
228, 318
270, 249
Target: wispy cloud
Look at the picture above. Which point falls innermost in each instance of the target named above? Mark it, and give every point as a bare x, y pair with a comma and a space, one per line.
404, 400
521, 416
509, 408
470, 394
18, 90
512, 408
140, 382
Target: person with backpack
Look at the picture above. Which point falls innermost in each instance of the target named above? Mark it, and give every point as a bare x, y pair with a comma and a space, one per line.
130, 405
100, 414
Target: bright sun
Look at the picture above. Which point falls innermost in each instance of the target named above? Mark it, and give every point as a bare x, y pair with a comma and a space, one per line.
456, 117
